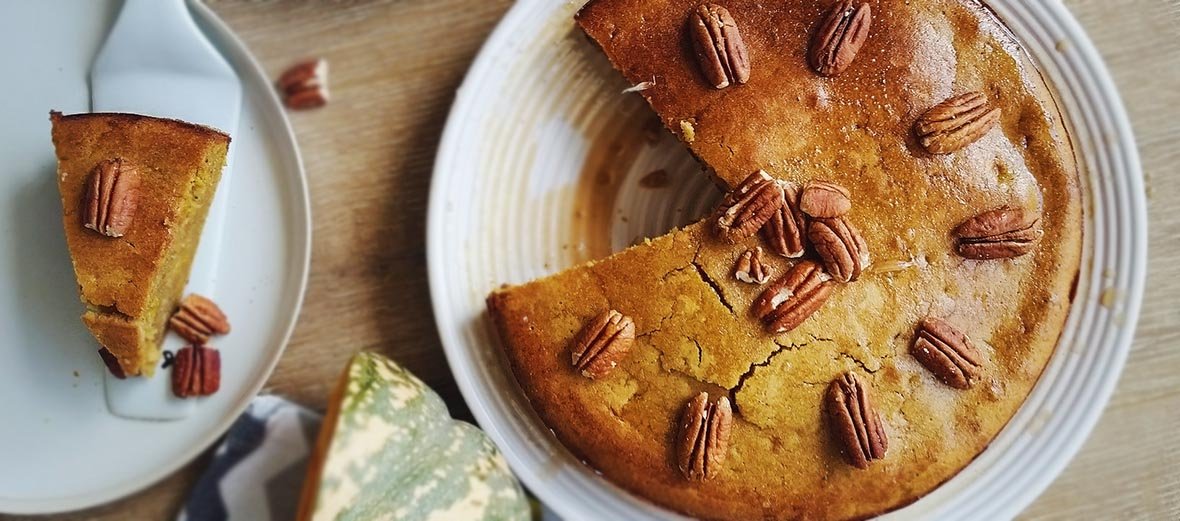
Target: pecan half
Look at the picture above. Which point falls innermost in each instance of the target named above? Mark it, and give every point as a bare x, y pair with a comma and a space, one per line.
947, 353
198, 319
787, 302
747, 207
196, 371
112, 195
840, 246
824, 200
840, 34
749, 267
1001, 233
305, 84
719, 47
703, 438
956, 123
785, 230
601, 343
856, 426
112, 363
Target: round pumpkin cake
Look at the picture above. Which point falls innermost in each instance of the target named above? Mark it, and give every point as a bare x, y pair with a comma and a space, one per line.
875, 297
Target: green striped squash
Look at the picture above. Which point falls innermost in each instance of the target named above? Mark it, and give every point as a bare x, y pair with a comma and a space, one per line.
389, 449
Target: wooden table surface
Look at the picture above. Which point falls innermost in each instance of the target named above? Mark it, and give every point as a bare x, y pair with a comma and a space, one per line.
395, 65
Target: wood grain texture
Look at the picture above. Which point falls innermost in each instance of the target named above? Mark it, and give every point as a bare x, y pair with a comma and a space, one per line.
395, 66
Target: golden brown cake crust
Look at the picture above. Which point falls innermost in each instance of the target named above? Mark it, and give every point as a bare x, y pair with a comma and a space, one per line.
127, 282
693, 325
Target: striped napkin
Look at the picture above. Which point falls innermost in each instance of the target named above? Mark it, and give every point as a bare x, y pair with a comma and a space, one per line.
257, 471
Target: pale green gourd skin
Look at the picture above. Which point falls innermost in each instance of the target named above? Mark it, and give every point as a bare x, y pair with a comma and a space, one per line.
397, 454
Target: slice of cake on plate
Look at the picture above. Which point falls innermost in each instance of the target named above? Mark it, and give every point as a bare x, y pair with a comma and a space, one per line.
135, 191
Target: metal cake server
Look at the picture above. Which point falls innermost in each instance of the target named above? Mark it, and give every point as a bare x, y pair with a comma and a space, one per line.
157, 62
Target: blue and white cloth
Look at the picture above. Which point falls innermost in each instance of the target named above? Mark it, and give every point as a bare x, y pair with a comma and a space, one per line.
257, 472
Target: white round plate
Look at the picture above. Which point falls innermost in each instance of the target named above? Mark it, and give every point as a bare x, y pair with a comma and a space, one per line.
539, 169
60, 447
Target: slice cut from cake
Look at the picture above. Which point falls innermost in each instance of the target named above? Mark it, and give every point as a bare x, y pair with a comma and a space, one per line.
135, 191
734, 393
